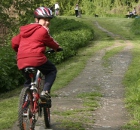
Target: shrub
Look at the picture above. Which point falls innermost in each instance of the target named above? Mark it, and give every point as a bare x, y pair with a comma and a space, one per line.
135, 28
10, 77
70, 41
58, 25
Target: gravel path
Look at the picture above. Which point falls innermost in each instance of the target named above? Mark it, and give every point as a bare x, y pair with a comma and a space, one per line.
111, 115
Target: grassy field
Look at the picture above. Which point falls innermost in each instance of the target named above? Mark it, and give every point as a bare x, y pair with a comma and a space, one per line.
119, 26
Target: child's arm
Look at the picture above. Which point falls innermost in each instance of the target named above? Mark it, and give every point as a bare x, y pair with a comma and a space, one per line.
15, 42
50, 42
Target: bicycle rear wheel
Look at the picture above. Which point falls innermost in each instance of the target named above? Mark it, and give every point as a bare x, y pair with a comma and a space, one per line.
46, 116
25, 110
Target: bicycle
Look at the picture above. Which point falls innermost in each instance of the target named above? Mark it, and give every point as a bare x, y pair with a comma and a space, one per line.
30, 106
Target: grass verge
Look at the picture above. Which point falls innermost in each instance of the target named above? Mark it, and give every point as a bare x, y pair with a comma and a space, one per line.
111, 53
132, 83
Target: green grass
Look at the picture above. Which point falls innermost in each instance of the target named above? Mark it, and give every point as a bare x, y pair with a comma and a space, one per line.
90, 100
8, 112
132, 83
111, 53
79, 117
120, 26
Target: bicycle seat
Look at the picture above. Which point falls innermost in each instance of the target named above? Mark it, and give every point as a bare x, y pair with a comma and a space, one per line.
30, 69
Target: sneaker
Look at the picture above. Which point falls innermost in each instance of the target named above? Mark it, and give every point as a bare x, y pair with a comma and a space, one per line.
45, 97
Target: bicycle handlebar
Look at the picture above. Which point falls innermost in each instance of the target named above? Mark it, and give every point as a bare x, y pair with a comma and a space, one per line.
52, 51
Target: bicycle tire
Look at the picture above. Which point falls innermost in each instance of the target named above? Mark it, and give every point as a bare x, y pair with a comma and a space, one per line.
24, 109
46, 116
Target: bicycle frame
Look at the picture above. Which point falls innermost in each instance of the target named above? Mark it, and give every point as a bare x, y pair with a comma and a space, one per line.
35, 87
32, 113
34, 83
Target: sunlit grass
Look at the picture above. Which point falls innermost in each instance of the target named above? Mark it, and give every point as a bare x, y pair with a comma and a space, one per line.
119, 26
8, 112
79, 117
132, 83
111, 53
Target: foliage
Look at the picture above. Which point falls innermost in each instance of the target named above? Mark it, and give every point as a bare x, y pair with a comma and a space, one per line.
8, 108
135, 28
19, 12
59, 25
10, 77
71, 41
22, 10
71, 35
87, 7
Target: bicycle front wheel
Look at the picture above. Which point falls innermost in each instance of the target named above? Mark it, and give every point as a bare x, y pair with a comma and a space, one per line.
25, 109
46, 117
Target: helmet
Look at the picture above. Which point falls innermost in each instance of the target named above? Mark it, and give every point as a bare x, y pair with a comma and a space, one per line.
43, 12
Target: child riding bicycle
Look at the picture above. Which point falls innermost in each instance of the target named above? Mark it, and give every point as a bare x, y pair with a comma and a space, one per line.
30, 45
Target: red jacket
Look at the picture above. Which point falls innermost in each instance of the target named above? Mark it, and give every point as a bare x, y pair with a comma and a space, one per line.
30, 45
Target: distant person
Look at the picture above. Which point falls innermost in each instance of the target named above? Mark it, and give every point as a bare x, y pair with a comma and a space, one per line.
76, 10
129, 14
57, 8
134, 11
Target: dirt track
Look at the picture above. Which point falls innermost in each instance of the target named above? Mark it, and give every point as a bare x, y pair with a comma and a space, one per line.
111, 115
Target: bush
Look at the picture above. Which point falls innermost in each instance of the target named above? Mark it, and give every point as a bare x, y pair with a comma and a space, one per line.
135, 28
59, 25
71, 35
71, 42
10, 77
